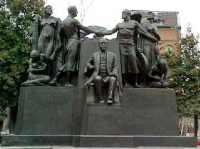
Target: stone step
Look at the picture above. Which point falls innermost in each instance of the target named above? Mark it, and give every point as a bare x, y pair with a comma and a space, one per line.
136, 141
29, 147
67, 147
99, 141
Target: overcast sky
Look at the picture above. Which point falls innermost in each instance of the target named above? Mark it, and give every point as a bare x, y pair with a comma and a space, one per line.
107, 13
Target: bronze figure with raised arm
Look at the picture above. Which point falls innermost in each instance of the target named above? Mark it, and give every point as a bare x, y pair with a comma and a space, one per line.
71, 42
126, 31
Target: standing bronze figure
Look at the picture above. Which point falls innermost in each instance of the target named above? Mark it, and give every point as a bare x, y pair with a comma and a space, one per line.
46, 43
151, 48
105, 72
49, 41
71, 40
126, 33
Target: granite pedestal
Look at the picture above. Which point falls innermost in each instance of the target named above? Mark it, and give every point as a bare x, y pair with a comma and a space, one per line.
146, 117
47, 115
61, 116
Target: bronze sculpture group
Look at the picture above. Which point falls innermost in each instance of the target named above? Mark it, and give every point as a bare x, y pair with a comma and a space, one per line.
56, 48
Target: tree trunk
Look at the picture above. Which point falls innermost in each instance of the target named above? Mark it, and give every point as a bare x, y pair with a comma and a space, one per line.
195, 125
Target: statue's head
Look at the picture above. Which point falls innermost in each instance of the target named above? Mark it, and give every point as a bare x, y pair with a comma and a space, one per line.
151, 16
126, 14
72, 10
48, 10
137, 17
103, 44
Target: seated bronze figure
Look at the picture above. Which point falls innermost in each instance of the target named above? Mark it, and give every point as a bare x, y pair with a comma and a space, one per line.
103, 65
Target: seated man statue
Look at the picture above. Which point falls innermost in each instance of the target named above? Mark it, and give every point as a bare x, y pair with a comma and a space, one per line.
103, 65
37, 70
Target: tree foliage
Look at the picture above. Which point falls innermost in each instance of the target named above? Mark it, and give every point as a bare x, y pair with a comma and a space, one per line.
15, 31
185, 78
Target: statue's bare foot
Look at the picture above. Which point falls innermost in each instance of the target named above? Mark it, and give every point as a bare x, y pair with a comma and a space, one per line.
136, 86
25, 83
109, 101
5, 132
69, 85
52, 83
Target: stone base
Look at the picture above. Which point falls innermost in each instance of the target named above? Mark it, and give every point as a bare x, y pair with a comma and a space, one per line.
99, 140
135, 141
145, 117
45, 110
36, 140
144, 111
60, 116
47, 115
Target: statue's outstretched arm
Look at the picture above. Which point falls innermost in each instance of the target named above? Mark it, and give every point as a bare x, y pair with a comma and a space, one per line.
85, 28
109, 32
